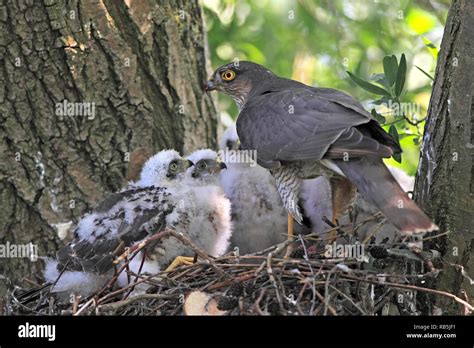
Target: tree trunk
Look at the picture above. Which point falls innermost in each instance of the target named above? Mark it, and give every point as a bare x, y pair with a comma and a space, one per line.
139, 66
445, 180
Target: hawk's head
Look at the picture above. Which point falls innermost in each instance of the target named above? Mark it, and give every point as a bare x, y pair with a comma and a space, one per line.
238, 79
207, 166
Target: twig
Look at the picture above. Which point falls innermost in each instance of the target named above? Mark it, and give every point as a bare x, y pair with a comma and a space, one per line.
117, 305
326, 289
385, 298
321, 298
373, 232
201, 253
349, 299
257, 302
137, 275
229, 281
83, 308
273, 281
413, 287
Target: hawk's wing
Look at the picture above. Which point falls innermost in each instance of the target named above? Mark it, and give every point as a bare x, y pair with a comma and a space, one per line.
304, 123
121, 220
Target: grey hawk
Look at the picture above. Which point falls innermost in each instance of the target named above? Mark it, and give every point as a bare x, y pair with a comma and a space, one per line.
301, 132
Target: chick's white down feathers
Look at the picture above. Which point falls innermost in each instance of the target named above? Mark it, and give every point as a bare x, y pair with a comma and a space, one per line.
211, 197
259, 218
154, 170
201, 212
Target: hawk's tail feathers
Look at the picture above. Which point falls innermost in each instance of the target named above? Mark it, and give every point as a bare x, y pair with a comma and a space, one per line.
377, 185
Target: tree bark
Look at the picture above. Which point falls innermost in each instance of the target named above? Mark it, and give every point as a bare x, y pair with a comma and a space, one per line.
445, 181
141, 64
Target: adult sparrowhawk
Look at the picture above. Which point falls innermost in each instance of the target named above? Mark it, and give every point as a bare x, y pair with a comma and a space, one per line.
300, 132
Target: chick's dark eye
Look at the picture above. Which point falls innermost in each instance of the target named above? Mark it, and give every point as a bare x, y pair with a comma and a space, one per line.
202, 165
228, 75
173, 166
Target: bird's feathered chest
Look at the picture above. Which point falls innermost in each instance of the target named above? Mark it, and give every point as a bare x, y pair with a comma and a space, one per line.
211, 225
252, 191
211, 204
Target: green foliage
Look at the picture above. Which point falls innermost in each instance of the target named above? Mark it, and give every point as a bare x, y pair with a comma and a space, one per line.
390, 68
394, 73
368, 86
401, 76
394, 133
317, 41
425, 73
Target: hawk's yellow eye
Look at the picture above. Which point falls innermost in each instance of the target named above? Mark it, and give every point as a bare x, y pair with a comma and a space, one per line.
228, 75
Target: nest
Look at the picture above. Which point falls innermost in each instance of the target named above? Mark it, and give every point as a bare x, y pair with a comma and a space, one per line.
388, 279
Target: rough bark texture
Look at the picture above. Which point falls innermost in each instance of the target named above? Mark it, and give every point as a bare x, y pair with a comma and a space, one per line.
445, 181
142, 63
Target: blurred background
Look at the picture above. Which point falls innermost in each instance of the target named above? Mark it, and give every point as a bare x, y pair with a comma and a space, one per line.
318, 41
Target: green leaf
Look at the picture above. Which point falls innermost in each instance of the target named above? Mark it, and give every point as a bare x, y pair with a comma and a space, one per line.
406, 135
394, 133
381, 80
431, 48
384, 100
368, 86
380, 119
424, 72
390, 68
377, 77
428, 43
401, 75
397, 157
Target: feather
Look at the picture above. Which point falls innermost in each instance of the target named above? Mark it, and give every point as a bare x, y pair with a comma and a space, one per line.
127, 217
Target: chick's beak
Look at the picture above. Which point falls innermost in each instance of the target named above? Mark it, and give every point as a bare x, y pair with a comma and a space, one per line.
187, 164
218, 167
237, 145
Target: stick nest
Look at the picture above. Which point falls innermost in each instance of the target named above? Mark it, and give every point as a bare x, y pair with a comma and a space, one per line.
389, 279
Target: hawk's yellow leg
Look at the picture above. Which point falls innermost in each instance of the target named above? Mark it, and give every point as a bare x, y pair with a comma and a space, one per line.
290, 232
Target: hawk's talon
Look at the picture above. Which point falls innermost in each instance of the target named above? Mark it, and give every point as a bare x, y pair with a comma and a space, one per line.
178, 261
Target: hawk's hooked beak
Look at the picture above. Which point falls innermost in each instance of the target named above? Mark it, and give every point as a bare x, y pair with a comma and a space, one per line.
210, 86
